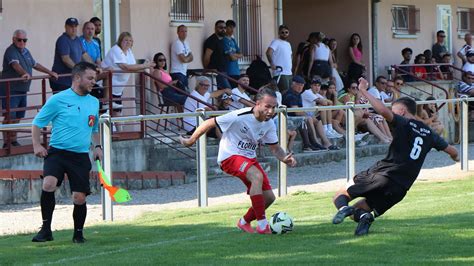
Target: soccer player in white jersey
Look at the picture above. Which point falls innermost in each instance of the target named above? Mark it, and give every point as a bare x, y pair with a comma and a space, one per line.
242, 131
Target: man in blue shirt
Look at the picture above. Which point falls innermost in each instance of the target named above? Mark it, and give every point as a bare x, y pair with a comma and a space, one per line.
74, 115
17, 63
232, 51
68, 52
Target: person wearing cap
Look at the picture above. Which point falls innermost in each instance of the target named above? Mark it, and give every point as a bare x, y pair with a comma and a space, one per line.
469, 65
225, 102
239, 96
68, 52
18, 63
201, 98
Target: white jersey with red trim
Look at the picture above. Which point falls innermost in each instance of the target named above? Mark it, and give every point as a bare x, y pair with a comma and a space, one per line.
242, 132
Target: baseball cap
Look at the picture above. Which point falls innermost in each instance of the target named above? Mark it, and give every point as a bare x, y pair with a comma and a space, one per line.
72, 22
298, 79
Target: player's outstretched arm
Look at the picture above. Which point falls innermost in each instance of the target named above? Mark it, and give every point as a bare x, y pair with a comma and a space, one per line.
453, 152
282, 156
202, 129
379, 107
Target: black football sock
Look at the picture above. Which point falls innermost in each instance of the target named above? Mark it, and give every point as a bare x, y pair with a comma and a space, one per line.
358, 213
79, 215
47, 202
341, 201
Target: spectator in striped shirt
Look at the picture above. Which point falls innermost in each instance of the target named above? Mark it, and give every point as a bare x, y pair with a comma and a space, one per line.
466, 85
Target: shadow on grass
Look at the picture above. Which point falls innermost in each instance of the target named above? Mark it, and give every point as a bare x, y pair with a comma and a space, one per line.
436, 239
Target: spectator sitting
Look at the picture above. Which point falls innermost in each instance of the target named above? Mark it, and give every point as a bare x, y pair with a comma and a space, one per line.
181, 56
439, 48
17, 63
469, 65
420, 71
224, 102
397, 87
433, 116
239, 96
68, 52
232, 52
436, 70
406, 54
428, 59
170, 95
446, 70
214, 57
379, 121
466, 85
466, 47
201, 92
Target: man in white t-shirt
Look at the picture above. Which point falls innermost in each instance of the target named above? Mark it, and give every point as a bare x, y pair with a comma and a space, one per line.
311, 98
469, 65
181, 56
466, 47
239, 96
279, 55
380, 85
200, 98
242, 131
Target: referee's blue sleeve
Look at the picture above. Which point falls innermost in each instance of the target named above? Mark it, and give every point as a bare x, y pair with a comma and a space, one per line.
47, 113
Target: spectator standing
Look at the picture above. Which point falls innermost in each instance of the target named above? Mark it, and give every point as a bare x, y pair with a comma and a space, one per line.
18, 63
232, 51
240, 98
202, 93
90, 45
439, 48
98, 29
120, 57
357, 66
181, 56
320, 63
406, 54
214, 57
469, 65
332, 43
68, 52
170, 95
466, 47
279, 55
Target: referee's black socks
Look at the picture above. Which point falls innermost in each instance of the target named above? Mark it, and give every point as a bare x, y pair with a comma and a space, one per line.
79, 215
341, 201
48, 202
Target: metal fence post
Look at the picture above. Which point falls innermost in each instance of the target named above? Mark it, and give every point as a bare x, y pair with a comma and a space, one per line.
283, 139
201, 161
350, 142
106, 141
464, 135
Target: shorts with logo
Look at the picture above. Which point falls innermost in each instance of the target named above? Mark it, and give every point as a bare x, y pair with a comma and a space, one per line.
238, 166
76, 165
380, 192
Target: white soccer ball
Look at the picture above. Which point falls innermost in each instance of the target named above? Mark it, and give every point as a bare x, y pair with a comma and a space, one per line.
281, 223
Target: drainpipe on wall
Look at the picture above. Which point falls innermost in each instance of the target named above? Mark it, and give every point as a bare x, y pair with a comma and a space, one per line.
374, 39
279, 10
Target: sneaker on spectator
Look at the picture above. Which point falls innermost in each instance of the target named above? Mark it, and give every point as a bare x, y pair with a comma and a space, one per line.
329, 134
360, 136
335, 133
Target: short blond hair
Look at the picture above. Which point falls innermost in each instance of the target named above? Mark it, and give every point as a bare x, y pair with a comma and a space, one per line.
122, 36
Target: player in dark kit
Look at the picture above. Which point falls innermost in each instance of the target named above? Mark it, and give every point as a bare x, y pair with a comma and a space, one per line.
386, 183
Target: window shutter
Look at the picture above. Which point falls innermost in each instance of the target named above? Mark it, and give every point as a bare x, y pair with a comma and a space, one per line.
413, 20
471, 20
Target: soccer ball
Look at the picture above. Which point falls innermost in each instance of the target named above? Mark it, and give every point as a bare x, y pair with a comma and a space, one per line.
281, 223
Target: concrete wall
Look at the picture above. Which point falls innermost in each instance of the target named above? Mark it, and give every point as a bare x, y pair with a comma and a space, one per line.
389, 51
337, 19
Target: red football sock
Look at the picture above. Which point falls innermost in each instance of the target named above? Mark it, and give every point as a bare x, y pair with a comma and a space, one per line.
250, 215
258, 205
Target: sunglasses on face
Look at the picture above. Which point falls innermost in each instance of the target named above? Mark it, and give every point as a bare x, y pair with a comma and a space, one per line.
399, 83
21, 40
284, 32
442, 36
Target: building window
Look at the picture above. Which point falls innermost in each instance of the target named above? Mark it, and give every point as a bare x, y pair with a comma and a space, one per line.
465, 20
405, 20
247, 16
187, 11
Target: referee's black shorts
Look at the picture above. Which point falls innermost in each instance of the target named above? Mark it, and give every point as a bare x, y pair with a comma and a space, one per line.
76, 165
380, 192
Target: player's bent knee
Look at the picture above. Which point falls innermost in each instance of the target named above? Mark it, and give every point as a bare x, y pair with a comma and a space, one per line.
254, 175
50, 183
79, 198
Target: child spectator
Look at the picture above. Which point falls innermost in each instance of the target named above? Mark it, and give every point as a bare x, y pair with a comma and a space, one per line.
420, 71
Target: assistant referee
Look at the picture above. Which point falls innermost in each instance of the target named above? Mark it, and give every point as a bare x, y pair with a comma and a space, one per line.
74, 115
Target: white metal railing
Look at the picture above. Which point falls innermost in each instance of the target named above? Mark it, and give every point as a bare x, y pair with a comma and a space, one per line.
200, 114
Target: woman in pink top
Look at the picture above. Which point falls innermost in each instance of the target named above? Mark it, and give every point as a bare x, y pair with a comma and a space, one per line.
170, 95
357, 67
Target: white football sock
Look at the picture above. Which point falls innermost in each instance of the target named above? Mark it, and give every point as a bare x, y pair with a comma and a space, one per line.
242, 221
330, 127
